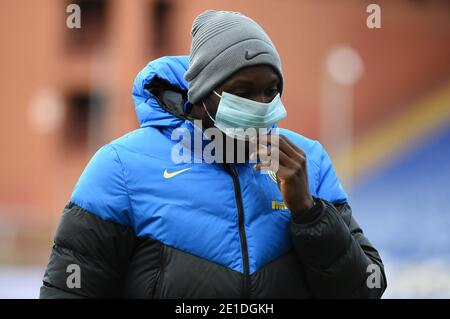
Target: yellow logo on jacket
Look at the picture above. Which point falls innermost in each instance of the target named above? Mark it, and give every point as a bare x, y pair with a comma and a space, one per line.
278, 205
170, 175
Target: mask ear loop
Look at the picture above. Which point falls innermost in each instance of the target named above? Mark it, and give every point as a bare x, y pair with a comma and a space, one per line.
204, 106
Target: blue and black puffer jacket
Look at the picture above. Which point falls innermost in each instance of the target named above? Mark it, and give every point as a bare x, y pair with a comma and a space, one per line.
139, 225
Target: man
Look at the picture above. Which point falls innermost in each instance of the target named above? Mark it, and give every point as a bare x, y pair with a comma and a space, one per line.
142, 224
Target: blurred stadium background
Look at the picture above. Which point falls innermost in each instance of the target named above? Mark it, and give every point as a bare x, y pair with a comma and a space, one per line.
378, 99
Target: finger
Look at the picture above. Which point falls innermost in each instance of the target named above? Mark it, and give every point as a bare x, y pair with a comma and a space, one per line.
261, 152
283, 143
275, 139
295, 147
285, 162
275, 160
287, 146
280, 172
268, 139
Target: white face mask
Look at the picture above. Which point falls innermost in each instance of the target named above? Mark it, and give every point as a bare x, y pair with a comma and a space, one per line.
236, 114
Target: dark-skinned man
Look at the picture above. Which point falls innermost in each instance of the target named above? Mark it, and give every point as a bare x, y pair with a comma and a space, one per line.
142, 224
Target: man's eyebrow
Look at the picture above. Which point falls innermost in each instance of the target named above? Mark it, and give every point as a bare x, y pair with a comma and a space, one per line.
238, 81
242, 81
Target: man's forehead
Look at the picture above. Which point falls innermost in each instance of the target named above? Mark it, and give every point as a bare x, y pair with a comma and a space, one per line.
258, 73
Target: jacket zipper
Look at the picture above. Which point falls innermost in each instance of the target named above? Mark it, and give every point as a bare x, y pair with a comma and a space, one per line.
243, 237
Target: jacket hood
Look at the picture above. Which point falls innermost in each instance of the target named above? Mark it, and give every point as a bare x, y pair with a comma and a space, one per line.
169, 70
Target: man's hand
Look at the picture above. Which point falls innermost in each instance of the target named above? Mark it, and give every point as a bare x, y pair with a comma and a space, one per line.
291, 175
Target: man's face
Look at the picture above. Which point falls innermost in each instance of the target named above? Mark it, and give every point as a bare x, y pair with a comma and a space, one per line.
259, 83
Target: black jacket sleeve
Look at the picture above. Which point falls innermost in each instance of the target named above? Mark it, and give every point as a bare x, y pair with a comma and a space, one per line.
337, 259
100, 250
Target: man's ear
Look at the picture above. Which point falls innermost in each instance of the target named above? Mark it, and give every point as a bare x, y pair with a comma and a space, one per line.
196, 111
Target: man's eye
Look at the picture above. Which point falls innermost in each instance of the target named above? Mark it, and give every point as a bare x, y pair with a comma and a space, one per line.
242, 94
271, 91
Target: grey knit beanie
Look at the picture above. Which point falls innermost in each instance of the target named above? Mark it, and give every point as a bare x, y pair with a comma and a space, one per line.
222, 43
